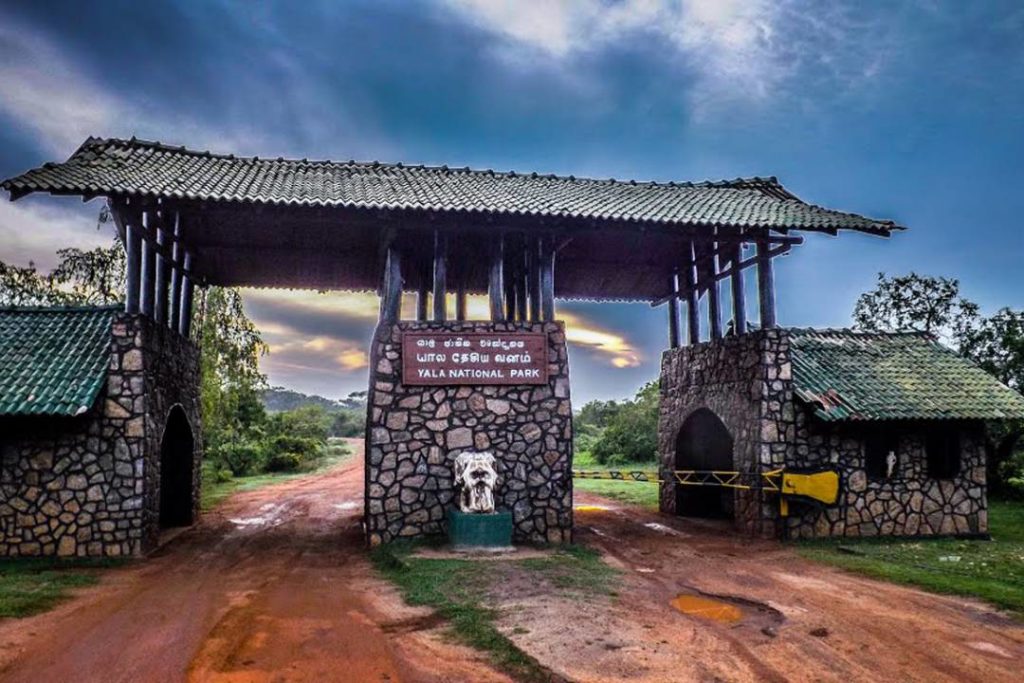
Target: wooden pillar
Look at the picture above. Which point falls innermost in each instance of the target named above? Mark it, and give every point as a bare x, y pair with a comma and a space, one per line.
176, 276
673, 313
495, 286
391, 308
162, 268
547, 279
692, 297
533, 270
185, 324
511, 277
765, 285
133, 265
522, 280
739, 297
460, 300
714, 307
440, 277
422, 297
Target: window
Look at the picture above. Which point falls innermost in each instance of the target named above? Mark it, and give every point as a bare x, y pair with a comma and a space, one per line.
881, 453
942, 446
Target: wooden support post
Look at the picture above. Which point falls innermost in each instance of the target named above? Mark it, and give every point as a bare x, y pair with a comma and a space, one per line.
714, 307
511, 277
765, 285
692, 297
185, 324
160, 305
533, 270
422, 299
522, 280
391, 305
176, 276
148, 269
673, 314
460, 300
739, 297
495, 286
133, 266
547, 278
440, 277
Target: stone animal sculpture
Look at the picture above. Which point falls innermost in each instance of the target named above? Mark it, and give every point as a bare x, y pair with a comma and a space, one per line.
476, 477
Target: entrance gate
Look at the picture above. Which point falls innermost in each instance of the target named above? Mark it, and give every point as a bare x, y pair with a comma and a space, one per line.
704, 444
191, 218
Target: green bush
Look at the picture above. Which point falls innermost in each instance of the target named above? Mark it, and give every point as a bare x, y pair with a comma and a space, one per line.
241, 456
223, 476
284, 462
631, 434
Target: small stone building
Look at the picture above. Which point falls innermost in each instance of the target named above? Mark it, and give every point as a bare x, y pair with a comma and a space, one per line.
899, 416
99, 432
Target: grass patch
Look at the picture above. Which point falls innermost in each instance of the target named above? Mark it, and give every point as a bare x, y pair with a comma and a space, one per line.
29, 586
458, 590
214, 491
990, 570
642, 494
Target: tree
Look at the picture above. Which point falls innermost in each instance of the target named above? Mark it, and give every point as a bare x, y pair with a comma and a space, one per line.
934, 305
83, 277
631, 434
916, 303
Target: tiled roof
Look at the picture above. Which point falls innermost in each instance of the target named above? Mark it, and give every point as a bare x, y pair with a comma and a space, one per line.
112, 166
847, 375
53, 361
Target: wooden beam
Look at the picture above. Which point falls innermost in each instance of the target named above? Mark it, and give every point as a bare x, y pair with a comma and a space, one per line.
739, 297
440, 277
533, 274
133, 267
460, 300
495, 286
714, 307
692, 298
175, 297
727, 272
185, 325
765, 286
547, 279
391, 309
162, 277
148, 293
422, 301
673, 315
522, 280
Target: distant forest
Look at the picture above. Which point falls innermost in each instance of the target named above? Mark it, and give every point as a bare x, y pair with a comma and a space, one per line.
280, 399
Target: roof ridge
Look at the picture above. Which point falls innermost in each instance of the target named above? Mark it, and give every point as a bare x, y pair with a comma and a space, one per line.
768, 184
74, 308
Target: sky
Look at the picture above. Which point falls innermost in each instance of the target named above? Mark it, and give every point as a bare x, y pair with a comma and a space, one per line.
912, 111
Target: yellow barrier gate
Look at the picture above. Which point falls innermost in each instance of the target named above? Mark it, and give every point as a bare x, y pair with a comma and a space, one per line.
820, 485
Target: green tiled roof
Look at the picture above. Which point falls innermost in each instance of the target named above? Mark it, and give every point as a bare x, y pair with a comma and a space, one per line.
112, 167
847, 375
53, 361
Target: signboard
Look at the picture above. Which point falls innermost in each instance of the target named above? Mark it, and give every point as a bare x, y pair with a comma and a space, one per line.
447, 358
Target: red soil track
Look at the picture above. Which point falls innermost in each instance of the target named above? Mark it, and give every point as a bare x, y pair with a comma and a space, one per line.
275, 585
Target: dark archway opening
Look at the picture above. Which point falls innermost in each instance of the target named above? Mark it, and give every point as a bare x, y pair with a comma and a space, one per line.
704, 443
176, 460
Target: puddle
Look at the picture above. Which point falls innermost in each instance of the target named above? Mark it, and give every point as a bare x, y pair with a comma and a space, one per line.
707, 608
347, 505
990, 648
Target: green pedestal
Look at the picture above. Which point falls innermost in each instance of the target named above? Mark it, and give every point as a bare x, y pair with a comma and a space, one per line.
480, 532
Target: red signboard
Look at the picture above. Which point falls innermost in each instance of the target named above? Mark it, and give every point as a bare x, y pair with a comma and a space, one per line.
446, 358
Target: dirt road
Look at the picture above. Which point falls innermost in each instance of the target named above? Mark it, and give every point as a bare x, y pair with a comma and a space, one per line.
275, 586
272, 586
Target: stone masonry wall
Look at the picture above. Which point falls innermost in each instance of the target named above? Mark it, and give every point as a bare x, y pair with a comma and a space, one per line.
909, 504
741, 379
747, 382
89, 485
415, 432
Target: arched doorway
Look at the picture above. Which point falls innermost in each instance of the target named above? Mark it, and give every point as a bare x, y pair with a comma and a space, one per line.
176, 460
704, 443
